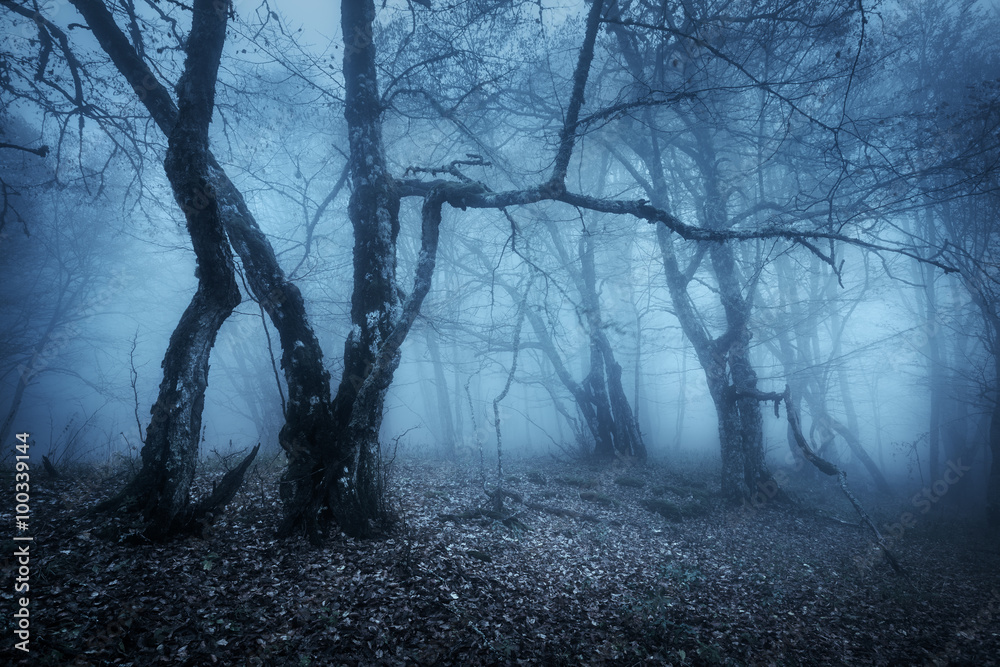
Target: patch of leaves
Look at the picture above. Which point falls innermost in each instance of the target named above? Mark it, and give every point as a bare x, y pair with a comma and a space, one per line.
579, 482
589, 583
630, 481
536, 477
599, 498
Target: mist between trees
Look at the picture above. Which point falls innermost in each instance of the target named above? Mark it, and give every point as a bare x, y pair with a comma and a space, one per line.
613, 230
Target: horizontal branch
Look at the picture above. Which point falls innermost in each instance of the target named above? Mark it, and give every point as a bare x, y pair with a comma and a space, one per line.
41, 151
476, 195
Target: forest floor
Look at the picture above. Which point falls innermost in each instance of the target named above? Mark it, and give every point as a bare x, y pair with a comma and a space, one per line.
643, 566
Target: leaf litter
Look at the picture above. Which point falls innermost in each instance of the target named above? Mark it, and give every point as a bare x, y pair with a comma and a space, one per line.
618, 566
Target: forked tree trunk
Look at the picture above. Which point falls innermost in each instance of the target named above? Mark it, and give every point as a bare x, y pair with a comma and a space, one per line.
308, 433
170, 454
744, 473
350, 468
597, 426
355, 484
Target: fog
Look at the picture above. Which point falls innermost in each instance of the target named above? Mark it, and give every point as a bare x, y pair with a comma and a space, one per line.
849, 178
500, 332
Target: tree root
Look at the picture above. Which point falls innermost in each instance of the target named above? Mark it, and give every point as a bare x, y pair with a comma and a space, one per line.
496, 511
204, 515
827, 468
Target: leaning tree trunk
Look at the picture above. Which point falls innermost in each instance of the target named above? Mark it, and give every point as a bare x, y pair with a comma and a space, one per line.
170, 453
308, 433
605, 377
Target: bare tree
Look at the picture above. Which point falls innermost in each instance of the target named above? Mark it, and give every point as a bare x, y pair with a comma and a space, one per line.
170, 452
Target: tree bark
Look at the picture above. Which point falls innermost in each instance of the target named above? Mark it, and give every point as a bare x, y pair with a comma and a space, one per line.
354, 483
170, 453
993, 483
307, 435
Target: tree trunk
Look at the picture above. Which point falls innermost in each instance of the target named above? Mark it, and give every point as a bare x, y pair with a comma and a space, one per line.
598, 425
308, 433
170, 453
346, 481
596, 381
755, 473
605, 379
993, 484
443, 402
628, 439
355, 484
744, 473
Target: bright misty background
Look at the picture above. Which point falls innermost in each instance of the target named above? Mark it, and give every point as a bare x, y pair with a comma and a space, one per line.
97, 266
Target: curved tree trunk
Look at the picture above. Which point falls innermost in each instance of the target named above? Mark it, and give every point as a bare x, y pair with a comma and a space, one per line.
170, 454
307, 435
350, 467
